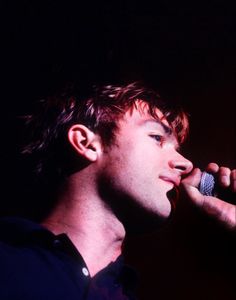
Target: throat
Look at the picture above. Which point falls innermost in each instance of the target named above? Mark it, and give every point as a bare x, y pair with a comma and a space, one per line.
98, 239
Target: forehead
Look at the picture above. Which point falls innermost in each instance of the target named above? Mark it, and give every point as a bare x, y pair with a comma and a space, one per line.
139, 116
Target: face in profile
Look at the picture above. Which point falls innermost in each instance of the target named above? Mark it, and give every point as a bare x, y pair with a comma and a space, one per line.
141, 167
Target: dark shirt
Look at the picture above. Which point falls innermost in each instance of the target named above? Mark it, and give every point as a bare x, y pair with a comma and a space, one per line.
35, 264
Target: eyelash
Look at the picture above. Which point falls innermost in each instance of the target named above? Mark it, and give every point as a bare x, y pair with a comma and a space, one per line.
159, 138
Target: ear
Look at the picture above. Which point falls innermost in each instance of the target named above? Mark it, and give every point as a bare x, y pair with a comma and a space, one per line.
85, 142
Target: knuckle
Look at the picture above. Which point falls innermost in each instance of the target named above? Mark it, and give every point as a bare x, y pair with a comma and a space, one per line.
212, 167
231, 217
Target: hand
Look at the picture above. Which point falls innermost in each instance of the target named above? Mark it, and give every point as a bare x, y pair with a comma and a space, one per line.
218, 208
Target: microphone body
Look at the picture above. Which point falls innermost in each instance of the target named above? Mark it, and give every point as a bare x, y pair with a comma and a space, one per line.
209, 187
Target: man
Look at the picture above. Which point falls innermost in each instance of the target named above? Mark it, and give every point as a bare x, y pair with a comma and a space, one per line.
110, 163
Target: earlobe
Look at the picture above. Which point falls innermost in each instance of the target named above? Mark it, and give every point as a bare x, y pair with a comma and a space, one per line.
84, 142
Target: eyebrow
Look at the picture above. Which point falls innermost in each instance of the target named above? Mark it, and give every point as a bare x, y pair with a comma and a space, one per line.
166, 128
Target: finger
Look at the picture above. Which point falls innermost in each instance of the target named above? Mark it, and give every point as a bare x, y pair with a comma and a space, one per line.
217, 208
224, 176
212, 168
233, 180
193, 178
221, 210
190, 186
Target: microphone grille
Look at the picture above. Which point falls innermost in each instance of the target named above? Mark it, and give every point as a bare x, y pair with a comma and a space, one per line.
207, 184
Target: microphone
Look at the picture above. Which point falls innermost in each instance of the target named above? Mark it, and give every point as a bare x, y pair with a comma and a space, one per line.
209, 187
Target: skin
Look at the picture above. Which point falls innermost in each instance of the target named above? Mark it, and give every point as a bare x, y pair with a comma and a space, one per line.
125, 186
219, 209
142, 167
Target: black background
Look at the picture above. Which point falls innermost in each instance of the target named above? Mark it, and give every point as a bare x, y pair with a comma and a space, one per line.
185, 50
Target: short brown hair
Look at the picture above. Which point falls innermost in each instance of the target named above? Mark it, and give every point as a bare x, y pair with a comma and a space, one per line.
47, 143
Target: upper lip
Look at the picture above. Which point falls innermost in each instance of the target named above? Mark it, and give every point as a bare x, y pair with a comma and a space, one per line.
174, 179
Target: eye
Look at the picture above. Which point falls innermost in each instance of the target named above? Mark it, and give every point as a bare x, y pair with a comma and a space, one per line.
159, 138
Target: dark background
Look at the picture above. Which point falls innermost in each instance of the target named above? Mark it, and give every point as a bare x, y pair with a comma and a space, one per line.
185, 50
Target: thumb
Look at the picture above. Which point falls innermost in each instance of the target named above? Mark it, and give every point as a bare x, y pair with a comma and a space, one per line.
213, 206
189, 186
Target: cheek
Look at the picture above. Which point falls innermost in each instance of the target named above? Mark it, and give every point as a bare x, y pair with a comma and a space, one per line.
139, 160
139, 170
133, 173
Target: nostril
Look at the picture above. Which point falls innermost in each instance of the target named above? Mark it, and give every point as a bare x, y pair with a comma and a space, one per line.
183, 166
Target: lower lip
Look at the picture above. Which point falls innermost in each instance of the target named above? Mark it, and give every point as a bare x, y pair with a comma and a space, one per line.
168, 181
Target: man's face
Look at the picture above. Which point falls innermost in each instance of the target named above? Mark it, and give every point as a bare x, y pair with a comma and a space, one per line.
143, 164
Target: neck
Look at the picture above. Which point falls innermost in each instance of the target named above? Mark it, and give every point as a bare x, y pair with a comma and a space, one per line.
92, 227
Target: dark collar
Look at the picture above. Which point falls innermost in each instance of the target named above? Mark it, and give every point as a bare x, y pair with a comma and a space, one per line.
18, 231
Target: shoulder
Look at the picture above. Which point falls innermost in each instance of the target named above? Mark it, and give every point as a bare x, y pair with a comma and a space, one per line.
32, 267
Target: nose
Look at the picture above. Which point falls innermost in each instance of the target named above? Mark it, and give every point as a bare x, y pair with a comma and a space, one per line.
181, 164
